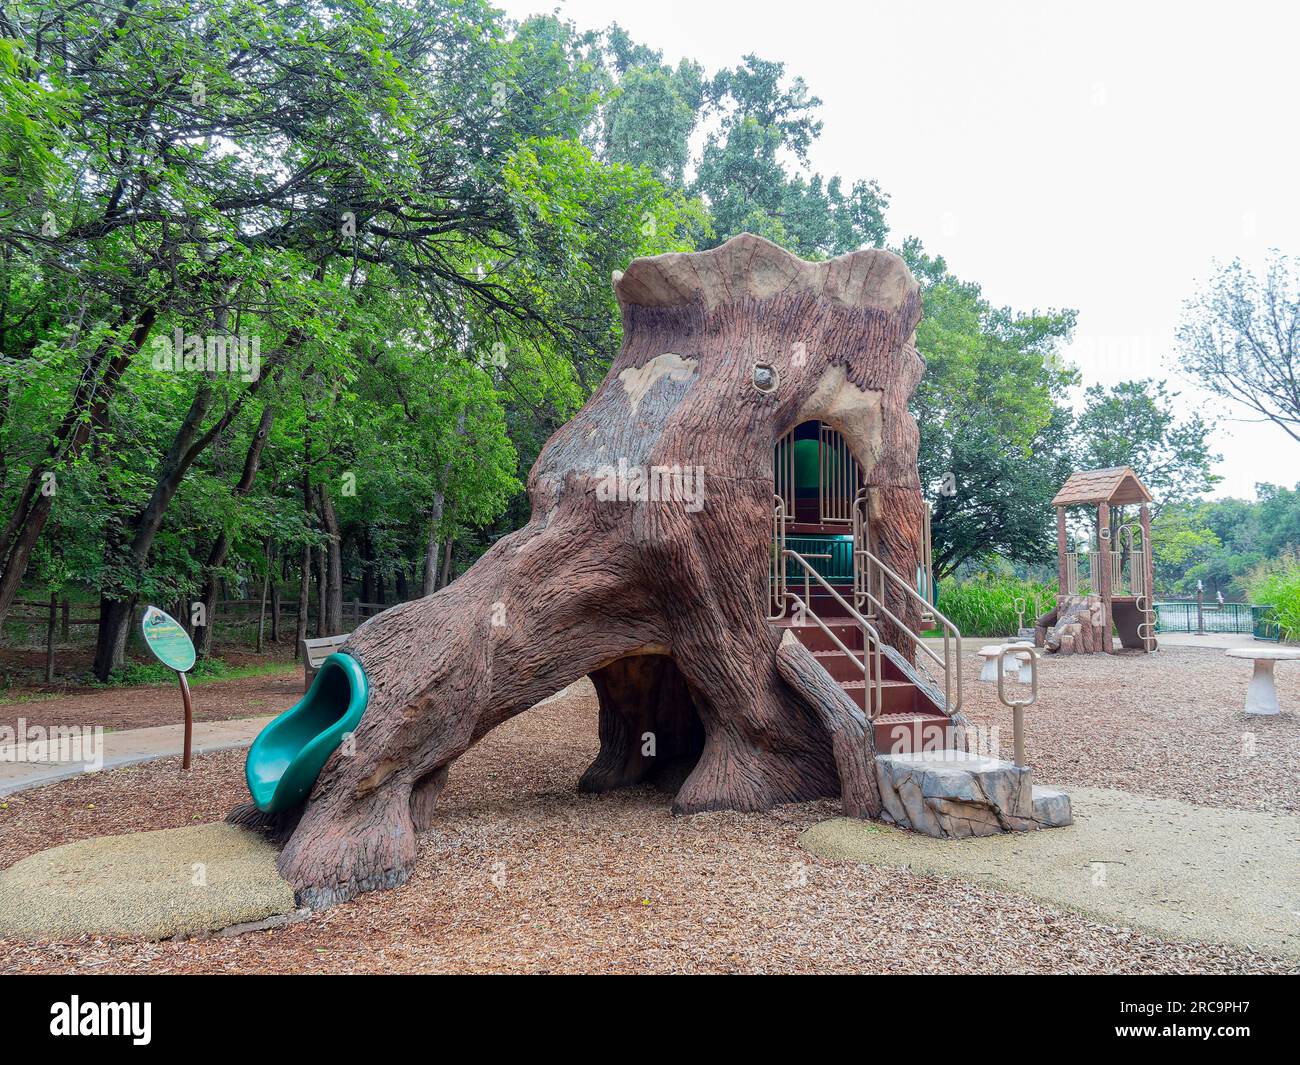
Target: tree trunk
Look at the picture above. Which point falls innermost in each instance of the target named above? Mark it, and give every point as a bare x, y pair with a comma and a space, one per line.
24, 526
221, 546
332, 603
304, 601
275, 602
187, 445
322, 591
431, 583
433, 548
261, 606
365, 551
662, 600
447, 559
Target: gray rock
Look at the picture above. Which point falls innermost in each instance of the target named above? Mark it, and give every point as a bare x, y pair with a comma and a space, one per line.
1052, 807
948, 793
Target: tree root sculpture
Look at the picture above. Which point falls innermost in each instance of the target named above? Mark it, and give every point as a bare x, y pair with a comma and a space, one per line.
645, 566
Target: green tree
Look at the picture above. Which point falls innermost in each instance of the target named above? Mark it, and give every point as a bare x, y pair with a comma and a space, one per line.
1134, 423
991, 417
742, 171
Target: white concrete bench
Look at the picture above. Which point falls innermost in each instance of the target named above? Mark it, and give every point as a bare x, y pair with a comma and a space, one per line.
991, 655
1008, 653
1261, 694
314, 652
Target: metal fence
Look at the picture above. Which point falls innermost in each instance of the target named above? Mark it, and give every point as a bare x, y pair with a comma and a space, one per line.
1180, 616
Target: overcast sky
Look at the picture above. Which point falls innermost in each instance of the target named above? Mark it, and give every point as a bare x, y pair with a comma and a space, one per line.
1089, 155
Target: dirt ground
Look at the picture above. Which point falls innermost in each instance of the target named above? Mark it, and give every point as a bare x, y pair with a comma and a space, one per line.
1168, 724
155, 704
523, 874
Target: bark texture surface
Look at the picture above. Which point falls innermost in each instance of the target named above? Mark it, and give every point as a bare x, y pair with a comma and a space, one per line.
663, 601
1076, 625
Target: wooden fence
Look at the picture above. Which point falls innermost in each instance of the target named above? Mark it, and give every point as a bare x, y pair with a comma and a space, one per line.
57, 616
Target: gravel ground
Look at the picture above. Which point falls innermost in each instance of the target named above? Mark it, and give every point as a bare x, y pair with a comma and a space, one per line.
1169, 724
155, 704
522, 874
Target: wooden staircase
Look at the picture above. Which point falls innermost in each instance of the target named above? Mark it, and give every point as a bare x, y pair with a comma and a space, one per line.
910, 719
833, 594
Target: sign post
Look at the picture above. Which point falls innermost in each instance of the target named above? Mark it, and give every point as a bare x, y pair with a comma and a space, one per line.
172, 646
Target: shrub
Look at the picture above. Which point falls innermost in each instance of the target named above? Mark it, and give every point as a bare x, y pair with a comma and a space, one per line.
986, 605
1276, 584
133, 673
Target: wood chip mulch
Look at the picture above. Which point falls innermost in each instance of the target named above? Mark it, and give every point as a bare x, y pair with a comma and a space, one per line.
523, 874
1170, 724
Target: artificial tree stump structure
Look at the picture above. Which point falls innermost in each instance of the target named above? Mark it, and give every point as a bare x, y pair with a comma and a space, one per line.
663, 602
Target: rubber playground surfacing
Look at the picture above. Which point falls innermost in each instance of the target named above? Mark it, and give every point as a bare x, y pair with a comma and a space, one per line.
523, 874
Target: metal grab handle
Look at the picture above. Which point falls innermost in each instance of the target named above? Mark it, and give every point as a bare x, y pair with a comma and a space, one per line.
1018, 705
1148, 638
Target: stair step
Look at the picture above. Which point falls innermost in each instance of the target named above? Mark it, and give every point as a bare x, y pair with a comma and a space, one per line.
900, 694
840, 666
812, 636
897, 696
903, 733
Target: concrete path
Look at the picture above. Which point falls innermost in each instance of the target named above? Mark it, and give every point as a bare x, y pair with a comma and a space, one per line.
128, 747
1182, 871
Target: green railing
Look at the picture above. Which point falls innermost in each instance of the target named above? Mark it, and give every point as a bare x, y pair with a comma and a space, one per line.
1180, 616
838, 567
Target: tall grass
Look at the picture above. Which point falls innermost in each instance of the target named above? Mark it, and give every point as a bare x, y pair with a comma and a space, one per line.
1276, 584
986, 605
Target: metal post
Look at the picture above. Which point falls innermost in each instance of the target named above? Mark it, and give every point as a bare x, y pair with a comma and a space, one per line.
1102, 586
1018, 705
189, 719
1200, 609
1062, 553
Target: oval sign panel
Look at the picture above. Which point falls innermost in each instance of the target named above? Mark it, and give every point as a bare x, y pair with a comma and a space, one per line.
170, 643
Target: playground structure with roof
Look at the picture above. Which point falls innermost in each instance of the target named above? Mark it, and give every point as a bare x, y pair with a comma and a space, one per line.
1106, 584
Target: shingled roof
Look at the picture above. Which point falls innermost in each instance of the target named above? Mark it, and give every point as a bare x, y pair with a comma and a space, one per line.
1116, 485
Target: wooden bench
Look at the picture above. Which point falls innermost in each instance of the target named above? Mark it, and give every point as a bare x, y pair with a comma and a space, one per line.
314, 652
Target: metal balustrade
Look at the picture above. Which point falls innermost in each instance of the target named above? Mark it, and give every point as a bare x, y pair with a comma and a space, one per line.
872, 582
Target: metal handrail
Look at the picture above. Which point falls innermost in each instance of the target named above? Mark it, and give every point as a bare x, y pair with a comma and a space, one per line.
871, 638
925, 577
951, 634
777, 593
926, 584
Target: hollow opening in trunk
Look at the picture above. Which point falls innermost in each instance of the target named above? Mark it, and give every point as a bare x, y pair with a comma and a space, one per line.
650, 727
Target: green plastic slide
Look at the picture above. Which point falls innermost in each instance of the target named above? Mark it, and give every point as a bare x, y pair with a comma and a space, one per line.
288, 755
